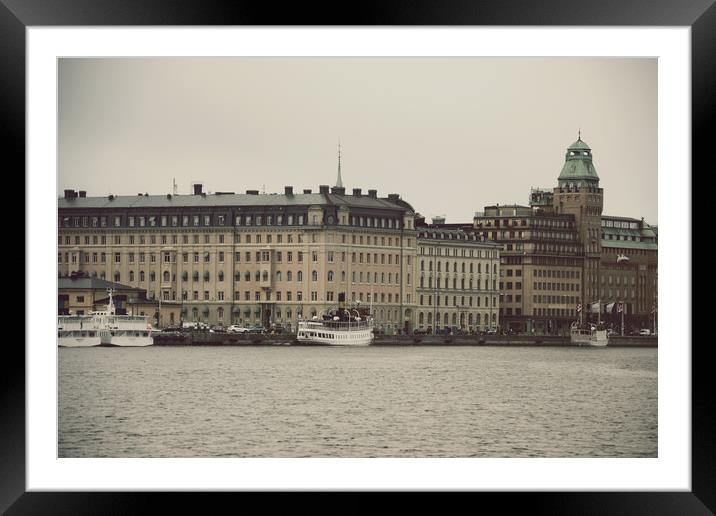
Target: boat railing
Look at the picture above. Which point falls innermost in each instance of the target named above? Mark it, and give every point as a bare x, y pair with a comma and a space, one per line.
335, 325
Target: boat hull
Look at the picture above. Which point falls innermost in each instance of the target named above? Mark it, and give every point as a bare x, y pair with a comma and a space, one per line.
129, 341
78, 342
599, 339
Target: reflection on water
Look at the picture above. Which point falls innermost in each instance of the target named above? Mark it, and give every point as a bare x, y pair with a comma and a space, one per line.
357, 402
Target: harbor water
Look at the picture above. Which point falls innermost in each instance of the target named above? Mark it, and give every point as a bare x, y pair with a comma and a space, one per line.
426, 401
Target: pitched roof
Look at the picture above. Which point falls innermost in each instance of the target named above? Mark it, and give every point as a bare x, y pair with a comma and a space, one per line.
242, 200
91, 283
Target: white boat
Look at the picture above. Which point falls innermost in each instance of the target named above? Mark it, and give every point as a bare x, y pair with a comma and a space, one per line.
340, 327
123, 330
588, 335
78, 331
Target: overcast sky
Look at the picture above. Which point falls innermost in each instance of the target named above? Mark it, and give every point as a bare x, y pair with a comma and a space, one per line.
450, 135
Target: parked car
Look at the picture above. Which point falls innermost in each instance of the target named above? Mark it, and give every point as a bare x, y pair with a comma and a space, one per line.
257, 329
491, 331
277, 329
218, 328
172, 329
645, 332
235, 328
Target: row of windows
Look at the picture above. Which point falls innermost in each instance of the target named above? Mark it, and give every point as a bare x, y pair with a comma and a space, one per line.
471, 300
438, 266
220, 238
542, 285
477, 319
573, 300
534, 223
462, 252
197, 220
463, 283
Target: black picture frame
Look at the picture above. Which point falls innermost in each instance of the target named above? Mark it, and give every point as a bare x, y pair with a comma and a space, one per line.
17, 15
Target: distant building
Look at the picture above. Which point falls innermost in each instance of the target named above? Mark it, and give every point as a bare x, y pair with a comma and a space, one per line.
81, 294
560, 253
457, 279
248, 258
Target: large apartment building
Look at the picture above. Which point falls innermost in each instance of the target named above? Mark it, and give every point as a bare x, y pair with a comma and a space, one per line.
457, 279
249, 258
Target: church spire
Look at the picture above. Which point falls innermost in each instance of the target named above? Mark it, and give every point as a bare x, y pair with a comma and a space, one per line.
339, 181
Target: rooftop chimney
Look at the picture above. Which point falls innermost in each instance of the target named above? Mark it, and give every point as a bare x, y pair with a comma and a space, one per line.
356, 192
323, 189
338, 190
393, 197
373, 194
252, 192
439, 220
70, 194
288, 190
197, 189
83, 193
307, 190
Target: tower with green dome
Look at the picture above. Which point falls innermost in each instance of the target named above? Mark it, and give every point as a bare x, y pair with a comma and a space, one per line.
578, 193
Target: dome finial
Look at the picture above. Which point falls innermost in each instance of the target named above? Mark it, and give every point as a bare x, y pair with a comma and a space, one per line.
579, 134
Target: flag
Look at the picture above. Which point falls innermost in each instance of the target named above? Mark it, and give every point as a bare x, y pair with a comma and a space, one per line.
610, 307
579, 307
620, 307
594, 307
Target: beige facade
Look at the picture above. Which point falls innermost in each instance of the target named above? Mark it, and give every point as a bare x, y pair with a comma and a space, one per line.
457, 280
249, 259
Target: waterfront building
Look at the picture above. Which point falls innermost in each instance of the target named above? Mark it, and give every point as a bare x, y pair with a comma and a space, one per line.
629, 272
248, 258
80, 294
542, 261
456, 279
561, 252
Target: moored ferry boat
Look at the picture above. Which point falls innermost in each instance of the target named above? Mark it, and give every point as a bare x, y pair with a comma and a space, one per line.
588, 335
78, 331
123, 330
339, 327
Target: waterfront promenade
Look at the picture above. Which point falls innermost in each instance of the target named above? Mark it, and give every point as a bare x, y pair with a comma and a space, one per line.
229, 339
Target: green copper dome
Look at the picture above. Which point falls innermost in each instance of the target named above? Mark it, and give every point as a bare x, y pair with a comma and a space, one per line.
579, 145
578, 164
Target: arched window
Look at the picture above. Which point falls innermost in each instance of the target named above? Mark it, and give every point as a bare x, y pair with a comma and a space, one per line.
167, 276
221, 275
278, 275
141, 275
420, 318
289, 276
314, 276
220, 313
299, 276
330, 275
264, 275
152, 276
430, 318
194, 313
116, 277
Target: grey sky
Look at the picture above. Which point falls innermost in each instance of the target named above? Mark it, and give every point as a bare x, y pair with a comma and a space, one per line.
450, 135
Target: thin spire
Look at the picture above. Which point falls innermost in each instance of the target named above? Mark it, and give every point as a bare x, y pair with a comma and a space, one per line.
579, 134
339, 181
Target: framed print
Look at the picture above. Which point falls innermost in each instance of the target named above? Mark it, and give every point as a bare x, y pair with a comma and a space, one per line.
451, 350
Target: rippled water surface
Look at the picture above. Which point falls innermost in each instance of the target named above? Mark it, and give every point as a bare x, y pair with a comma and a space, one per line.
357, 402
